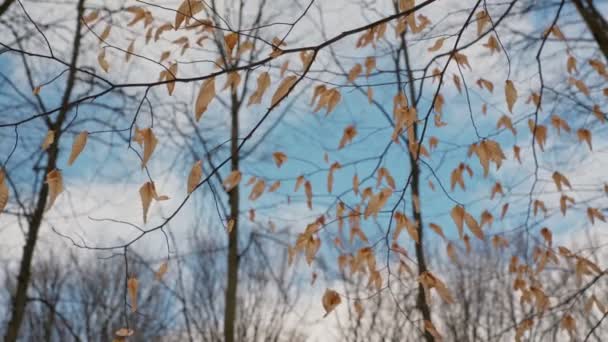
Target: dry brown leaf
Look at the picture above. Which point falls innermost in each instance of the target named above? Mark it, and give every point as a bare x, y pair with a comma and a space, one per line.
284, 87
354, 73
584, 134
331, 299
483, 19
124, 332
162, 270
257, 190
232, 180
186, 10
101, 59
147, 193
54, 180
4, 192
457, 215
370, 65
204, 98
437, 45
263, 83
349, 134
78, 146
230, 225
510, 94
308, 192
49, 139
132, 286
91, 17
196, 173
146, 138
279, 158
571, 64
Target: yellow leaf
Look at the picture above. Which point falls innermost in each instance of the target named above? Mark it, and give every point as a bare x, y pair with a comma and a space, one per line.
54, 180
233, 179
510, 94
161, 271
279, 158
204, 98
132, 286
49, 138
284, 87
196, 173
331, 299
78, 146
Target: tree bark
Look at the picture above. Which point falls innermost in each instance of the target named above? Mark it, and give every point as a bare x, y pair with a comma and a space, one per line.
5, 5
19, 300
597, 25
233, 241
421, 303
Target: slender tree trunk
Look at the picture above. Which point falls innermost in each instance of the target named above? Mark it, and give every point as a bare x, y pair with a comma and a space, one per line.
19, 301
5, 5
233, 241
421, 303
595, 22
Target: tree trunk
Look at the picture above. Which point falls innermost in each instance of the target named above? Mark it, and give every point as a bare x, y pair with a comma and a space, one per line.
233, 241
5, 5
19, 301
598, 26
421, 303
